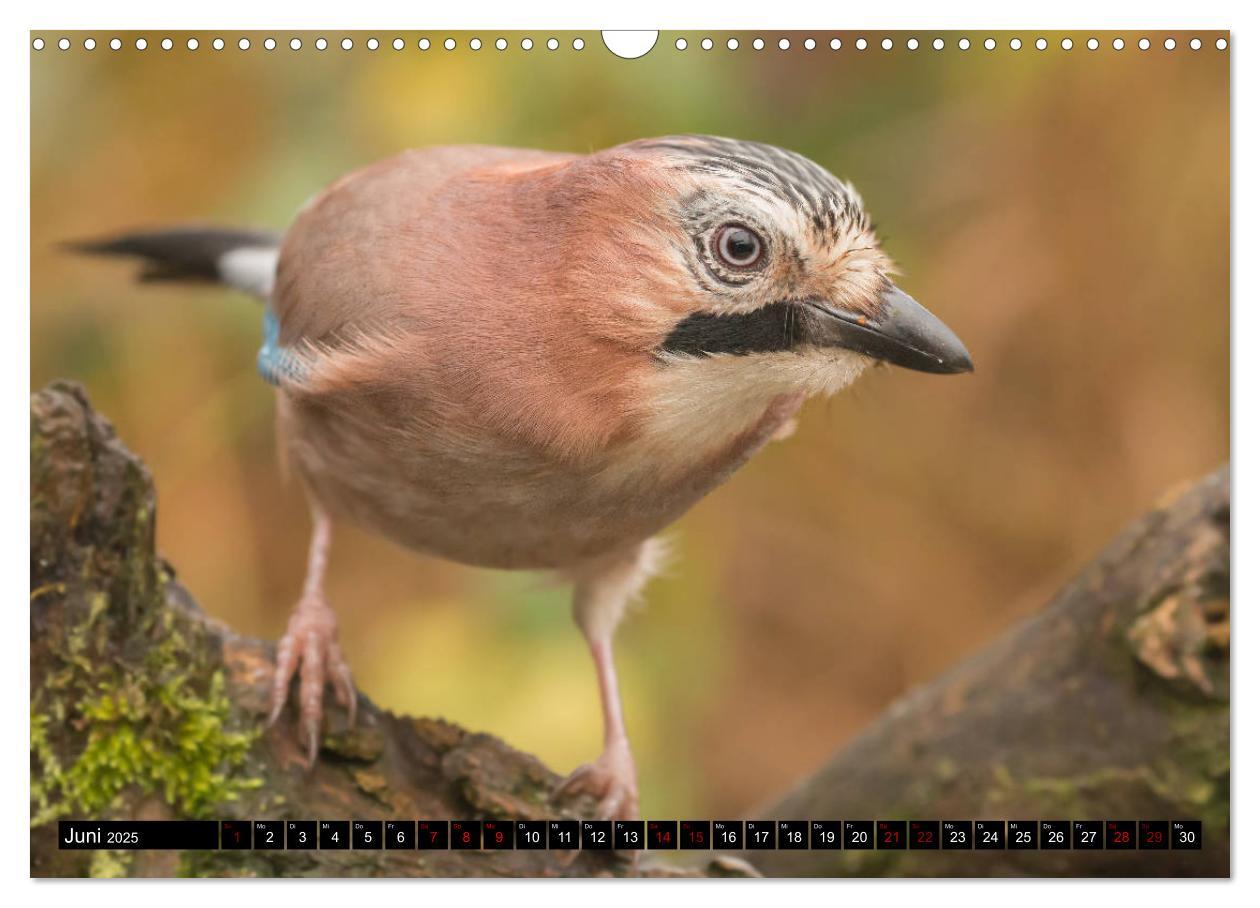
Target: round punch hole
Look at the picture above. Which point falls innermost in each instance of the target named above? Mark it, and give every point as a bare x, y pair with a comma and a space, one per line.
500, 44
1092, 44
373, 44
64, 44
552, 44
1144, 44
758, 44
1016, 44
784, 44
346, 44
475, 44
1170, 44
732, 44
707, 44
886, 44
218, 44
142, 44
398, 44
243, 44
963, 44
913, 44
810, 43
1195, 43
1042, 44
1066, 44
115, 44
1118, 44
938, 44
989, 44
1221, 44
269, 44
90, 43
192, 44
449, 43
681, 44
167, 44
527, 44
38, 44
423, 44
834, 44
578, 44
295, 44
860, 44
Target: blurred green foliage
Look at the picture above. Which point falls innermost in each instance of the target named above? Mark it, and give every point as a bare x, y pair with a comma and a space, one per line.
1066, 212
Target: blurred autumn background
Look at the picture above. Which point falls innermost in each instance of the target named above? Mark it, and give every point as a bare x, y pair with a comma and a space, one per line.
1066, 212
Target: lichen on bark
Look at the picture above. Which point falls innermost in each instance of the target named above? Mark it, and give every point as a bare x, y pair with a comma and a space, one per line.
129, 696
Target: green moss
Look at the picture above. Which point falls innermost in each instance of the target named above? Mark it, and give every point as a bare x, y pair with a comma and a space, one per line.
1200, 765
1078, 795
1193, 776
45, 766
108, 865
162, 728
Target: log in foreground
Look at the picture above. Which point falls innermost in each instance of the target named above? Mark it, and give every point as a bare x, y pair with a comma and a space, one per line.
1111, 703
143, 707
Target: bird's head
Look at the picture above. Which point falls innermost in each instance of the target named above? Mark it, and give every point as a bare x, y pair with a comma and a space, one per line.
750, 261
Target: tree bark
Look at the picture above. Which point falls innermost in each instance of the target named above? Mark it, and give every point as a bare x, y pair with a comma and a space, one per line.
1111, 703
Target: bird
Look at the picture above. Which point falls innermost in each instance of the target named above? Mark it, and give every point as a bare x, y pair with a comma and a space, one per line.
534, 360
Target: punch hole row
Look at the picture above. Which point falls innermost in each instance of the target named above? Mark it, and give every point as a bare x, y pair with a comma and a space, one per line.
319, 44
577, 44
940, 44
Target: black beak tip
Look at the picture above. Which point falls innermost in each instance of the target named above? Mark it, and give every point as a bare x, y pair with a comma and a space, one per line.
932, 346
957, 362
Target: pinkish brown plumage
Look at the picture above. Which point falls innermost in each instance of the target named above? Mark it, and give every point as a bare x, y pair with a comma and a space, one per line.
519, 359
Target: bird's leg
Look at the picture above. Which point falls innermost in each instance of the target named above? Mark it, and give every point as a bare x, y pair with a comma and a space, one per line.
309, 648
602, 591
612, 777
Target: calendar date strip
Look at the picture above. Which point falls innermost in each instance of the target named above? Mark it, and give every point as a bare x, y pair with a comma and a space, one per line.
632, 835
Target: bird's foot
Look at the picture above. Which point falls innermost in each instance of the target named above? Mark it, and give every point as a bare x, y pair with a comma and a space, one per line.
309, 649
611, 779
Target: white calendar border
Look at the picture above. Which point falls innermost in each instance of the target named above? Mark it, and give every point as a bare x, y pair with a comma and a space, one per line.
781, 14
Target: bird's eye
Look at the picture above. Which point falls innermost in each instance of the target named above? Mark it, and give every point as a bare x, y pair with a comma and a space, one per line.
738, 246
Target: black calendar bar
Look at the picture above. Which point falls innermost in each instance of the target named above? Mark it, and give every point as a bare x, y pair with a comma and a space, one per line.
606, 835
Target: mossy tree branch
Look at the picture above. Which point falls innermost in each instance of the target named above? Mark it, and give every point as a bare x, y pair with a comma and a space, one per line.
144, 707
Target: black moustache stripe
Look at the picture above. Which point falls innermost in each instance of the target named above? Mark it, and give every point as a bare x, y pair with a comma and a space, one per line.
769, 329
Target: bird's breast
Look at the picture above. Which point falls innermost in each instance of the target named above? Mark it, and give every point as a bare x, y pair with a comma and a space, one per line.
482, 500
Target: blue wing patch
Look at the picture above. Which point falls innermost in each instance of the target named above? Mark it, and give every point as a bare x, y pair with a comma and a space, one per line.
276, 364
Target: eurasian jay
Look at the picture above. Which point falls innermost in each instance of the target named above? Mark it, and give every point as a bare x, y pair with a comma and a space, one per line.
529, 360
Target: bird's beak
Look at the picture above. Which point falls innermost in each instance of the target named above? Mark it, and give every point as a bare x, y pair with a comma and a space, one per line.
902, 333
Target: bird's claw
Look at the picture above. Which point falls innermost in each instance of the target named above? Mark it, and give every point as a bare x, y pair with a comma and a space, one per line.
309, 649
611, 779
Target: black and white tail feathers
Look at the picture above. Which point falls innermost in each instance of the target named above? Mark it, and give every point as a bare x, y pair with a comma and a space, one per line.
244, 259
